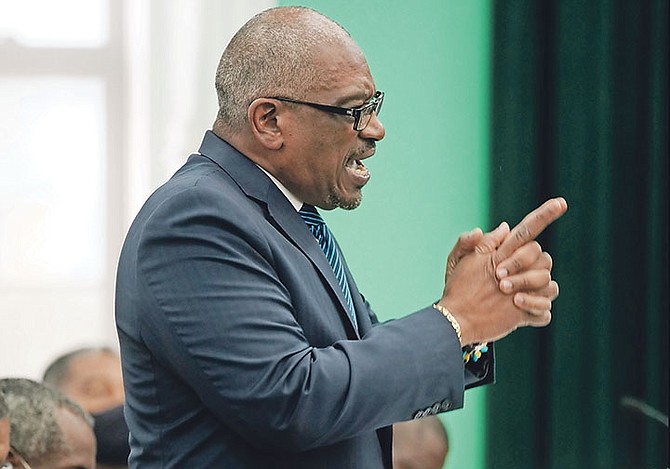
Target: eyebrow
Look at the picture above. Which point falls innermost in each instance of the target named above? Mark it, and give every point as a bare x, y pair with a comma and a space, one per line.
360, 99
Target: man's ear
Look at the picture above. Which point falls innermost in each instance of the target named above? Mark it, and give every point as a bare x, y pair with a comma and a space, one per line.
262, 115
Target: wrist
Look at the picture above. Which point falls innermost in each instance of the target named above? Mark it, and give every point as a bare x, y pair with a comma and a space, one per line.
452, 320
471, 352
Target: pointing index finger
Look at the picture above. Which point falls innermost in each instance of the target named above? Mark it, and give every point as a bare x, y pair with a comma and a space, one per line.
531, 226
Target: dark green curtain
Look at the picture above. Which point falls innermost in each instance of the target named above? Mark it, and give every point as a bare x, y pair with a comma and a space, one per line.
580, 109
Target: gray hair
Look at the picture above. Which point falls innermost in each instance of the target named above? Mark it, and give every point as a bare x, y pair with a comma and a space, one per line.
57, 373
35, 431
4, 410
273, 54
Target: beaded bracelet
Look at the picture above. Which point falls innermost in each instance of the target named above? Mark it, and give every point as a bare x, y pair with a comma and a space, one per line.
474, 352
445, 312
470, 352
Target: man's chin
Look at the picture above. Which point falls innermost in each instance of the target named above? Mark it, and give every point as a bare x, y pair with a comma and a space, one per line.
345, 203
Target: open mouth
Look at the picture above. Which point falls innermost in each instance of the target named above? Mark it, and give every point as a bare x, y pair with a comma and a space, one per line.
358, 171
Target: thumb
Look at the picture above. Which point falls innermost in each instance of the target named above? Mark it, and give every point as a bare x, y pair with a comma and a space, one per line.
493, 239
465, 244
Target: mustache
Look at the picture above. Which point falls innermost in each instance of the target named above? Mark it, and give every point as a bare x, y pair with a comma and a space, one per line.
370, 145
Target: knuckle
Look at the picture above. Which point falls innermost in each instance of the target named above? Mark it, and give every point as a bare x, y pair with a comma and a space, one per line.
522, 233
540, 215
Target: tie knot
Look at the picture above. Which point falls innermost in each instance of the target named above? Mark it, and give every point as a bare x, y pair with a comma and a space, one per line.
311, 216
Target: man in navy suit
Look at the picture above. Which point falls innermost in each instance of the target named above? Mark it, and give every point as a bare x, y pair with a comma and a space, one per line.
241, 345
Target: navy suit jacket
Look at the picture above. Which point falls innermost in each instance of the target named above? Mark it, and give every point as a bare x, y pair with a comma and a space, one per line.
236, 345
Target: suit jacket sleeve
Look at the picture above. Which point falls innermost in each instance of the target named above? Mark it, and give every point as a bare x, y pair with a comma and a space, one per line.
477, 373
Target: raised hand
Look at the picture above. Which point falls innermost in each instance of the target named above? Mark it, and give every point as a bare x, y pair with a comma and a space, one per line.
483, 270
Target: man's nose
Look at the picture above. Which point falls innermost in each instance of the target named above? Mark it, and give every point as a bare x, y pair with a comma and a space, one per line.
375, 129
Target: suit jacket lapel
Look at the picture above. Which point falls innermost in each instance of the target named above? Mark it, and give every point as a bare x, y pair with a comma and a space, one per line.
291, 224
364, 322
255, 184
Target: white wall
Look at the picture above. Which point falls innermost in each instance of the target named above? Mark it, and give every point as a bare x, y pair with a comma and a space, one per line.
87, 131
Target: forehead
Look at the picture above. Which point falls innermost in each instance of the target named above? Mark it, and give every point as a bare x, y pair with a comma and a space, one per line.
95, 361
344, 72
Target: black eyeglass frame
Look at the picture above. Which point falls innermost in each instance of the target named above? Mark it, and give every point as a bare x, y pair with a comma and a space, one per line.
366, 110
16, 455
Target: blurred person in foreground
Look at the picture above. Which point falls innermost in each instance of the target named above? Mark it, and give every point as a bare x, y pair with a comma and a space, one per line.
4, 429
48, 430
420, 444
244, 339
92, 377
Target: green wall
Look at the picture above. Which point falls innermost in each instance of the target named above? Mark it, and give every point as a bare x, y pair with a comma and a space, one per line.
430, 174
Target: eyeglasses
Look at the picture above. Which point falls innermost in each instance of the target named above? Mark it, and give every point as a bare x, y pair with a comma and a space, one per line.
362, 115
16, 455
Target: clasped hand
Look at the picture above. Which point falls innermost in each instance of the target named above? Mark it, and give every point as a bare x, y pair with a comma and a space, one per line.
500, 281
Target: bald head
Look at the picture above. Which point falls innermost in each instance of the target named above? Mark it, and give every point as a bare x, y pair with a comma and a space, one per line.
90, 376
273, 54
421, 443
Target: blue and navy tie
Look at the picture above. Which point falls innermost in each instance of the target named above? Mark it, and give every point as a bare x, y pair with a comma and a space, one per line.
327, 242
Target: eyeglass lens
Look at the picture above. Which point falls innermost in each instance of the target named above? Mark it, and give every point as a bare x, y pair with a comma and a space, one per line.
366, 112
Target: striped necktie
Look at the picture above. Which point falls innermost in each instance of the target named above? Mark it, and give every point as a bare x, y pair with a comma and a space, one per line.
327, 242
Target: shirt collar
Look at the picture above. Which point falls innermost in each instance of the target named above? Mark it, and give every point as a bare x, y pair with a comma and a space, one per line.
296, 202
